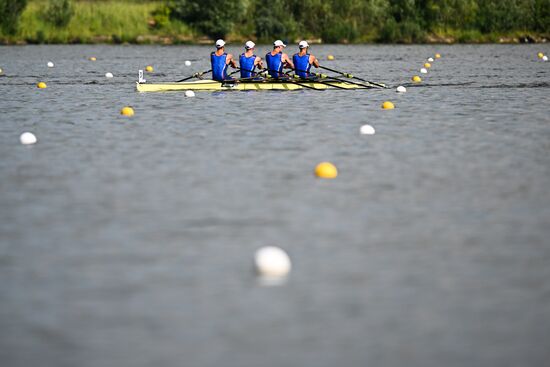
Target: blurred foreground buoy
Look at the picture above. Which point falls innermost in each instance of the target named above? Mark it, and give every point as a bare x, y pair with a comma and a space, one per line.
326, 170
367, 130
272, 262
388, 105
401, 89
108, 75
41, 85
27, 138
187, 63
127, 111
416, 79
545, 58
189, 93
92, 58
149, 68
540, 55
50, 64
330, 57
430, 59
424, 71
437, 56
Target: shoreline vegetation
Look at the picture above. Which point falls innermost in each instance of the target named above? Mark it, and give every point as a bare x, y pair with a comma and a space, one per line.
320, 21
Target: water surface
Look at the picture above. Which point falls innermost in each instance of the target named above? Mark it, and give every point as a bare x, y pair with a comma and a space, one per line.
128, 242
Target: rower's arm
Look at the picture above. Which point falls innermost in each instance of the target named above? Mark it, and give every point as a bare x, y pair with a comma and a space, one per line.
259, 62
231, 61
288, 62
314, 62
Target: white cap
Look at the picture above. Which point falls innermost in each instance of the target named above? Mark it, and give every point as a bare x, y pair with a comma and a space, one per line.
303, 44
220, 43
279, 43
249, 45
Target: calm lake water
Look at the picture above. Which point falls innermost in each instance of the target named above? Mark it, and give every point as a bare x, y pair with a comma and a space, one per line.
129, 241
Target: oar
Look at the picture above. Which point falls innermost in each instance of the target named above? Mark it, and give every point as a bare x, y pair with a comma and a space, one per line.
347, 75
196, 75
324, 76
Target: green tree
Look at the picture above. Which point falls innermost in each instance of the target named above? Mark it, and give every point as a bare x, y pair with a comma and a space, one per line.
10, 11
59, 12
214, 18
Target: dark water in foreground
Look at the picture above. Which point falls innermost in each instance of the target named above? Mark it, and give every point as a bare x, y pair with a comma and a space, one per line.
129, 242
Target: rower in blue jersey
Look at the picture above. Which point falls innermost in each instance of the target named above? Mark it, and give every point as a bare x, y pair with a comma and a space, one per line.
220, 60
248, 61
303, 61
276, 60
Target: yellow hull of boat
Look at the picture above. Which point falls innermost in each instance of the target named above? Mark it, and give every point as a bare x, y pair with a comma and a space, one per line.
212, 85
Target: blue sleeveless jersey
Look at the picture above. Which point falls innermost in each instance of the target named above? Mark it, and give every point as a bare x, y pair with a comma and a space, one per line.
219, 66
302, 65
247, 65
274, 64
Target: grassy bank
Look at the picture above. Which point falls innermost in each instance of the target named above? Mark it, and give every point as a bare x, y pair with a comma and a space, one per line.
148, 21
99, 22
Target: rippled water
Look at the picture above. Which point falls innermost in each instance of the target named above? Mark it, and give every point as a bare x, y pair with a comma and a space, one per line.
129, 242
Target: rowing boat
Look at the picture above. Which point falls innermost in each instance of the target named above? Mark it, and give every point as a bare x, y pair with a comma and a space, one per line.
212, 85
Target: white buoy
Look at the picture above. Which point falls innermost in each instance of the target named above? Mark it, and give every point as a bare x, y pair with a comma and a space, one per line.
545, 58
431, 59
187, 63
401, 89
272, 262
367, 130
50, 64
27, 138
424, 71
189, 93
108, 75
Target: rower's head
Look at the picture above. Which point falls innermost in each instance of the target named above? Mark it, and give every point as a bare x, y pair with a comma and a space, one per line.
249, 46
220, 44
278, 45
303, 45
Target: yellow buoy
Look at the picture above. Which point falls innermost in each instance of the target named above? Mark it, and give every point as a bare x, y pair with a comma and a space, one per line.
416, 79
92, 58
540, 55
388, 105
437, 56
427, 65
149, 68
326, 170
330, 57
41, 85
127, 111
